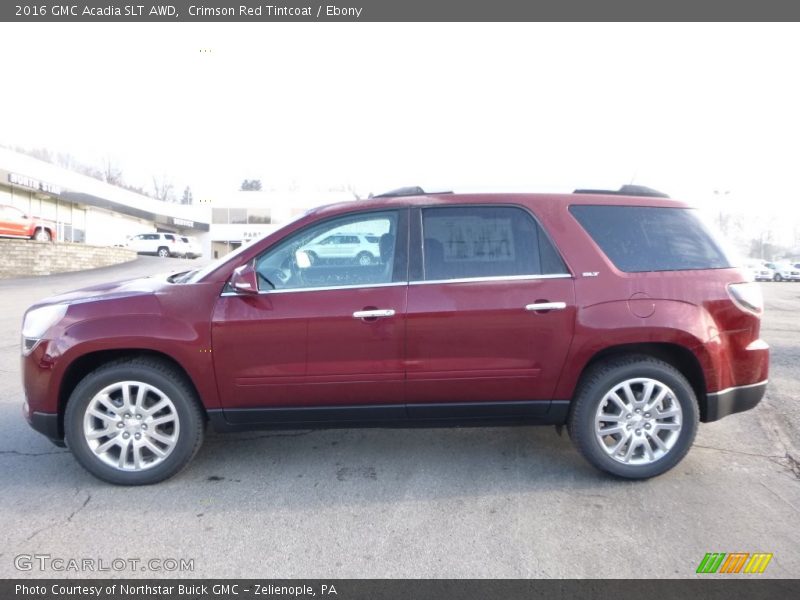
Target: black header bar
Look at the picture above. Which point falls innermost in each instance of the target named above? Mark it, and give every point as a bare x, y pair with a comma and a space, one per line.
401, 10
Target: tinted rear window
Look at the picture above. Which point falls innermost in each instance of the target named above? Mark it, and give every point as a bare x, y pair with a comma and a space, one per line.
645, 238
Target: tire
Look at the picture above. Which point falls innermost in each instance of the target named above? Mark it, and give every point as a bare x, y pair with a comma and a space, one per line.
180, 421
163, 252
364, 259
624, 451
41, 235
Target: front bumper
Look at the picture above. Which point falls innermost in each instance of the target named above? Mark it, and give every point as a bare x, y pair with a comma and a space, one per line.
733, 400
46, 424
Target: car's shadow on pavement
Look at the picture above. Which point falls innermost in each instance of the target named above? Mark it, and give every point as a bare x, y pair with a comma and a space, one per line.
342, 465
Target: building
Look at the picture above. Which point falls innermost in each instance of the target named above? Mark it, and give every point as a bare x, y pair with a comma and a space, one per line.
90, 211
241, 217
86, 210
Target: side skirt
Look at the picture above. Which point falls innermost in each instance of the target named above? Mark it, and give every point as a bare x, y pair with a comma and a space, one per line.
465, 414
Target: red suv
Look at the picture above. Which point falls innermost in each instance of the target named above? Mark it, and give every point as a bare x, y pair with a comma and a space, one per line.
613, 313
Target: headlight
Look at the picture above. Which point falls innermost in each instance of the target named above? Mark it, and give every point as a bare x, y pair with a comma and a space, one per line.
37, 322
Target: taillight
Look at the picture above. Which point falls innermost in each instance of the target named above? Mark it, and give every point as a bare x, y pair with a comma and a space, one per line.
747, 296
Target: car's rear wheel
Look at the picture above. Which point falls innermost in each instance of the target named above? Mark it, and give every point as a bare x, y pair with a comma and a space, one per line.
134, 422
163, 252
364, 259
41, 235
634, 417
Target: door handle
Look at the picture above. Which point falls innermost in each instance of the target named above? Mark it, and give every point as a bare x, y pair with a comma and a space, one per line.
373, 314
536, 306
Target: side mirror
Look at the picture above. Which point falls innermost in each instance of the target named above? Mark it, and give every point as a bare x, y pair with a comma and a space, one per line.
302, 259
244, 279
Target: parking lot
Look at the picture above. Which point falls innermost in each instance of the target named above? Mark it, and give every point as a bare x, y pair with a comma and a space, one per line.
471, 502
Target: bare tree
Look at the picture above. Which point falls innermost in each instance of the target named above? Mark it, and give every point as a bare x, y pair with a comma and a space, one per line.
251, 185
162, 189
111, 172
187, 197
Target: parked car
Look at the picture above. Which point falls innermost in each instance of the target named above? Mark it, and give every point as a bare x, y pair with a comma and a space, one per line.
616, 315
344, 246
159, 244
784, 271
15, 223
759, 270
192, 248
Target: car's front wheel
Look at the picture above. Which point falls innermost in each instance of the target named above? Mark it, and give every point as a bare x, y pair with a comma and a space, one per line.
163, 252
364, 259
634, 417
134, 422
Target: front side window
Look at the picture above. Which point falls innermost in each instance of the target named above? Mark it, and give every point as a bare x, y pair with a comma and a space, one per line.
485, 241
303, 261
649, 238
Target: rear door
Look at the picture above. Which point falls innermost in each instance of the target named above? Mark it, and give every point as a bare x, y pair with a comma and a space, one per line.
490, 314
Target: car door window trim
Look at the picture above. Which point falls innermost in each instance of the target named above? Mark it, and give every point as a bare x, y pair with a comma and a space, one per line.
417, 252
321, 288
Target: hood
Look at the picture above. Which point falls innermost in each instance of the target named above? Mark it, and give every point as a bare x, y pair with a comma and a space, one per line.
107, 291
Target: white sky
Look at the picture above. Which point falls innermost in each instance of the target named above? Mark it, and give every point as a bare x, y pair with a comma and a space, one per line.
683, 108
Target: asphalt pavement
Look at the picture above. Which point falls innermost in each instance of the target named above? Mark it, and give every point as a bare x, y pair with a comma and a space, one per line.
468, 502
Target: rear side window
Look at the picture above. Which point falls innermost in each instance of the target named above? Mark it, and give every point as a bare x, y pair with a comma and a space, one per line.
648, 238
462, 242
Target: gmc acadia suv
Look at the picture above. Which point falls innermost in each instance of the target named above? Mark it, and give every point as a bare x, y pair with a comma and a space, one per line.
617, 315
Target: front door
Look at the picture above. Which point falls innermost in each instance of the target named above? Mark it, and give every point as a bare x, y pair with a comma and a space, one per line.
328, 333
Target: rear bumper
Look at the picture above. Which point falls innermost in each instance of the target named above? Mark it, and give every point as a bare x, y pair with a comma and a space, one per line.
733, 400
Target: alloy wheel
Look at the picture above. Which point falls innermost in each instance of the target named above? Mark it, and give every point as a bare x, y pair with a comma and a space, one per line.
638, 421
131, 426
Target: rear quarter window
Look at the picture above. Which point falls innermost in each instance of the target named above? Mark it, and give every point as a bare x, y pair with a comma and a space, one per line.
648, 238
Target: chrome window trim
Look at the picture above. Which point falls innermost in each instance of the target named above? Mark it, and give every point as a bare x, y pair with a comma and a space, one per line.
322, 288
403, 283
492, 278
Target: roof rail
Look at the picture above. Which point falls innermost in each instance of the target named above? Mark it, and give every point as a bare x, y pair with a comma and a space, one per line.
627, 190
413, 190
